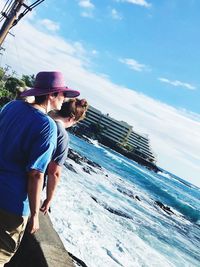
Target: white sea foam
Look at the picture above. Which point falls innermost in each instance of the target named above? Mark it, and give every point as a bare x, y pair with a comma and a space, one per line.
93, 141
112, 156
103, 239
92, 234
165, 174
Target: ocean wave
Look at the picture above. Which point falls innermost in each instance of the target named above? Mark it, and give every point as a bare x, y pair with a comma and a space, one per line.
185, 209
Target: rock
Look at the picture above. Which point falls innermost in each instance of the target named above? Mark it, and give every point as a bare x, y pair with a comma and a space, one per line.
91, 169
85, 169
128, 193
163, 207
136, 197
77, 260
94, 164
70, 167
94, 198
80, 160
112, 210
118, 212
125, 191
75, 156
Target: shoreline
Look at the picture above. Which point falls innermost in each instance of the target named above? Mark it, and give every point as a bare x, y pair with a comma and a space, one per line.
128, 154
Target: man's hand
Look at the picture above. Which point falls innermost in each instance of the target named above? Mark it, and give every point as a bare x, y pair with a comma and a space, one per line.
45, 206
33, 224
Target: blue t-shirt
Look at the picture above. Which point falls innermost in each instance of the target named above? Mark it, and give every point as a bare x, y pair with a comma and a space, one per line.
61, 151
28, 139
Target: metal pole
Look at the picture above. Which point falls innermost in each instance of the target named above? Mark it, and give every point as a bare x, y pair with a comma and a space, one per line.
11, 17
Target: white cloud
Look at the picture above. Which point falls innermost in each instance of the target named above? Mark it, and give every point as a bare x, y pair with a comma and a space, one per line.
174, 136
86, 4
87, 14
50, 25
133, 64
178, 83
94, 52
137, 2
87, 7
115, 14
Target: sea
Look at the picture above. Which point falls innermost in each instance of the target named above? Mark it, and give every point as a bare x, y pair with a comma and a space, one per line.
124, 215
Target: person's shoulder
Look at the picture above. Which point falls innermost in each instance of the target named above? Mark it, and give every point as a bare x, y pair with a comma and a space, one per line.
61, 129
10, 104
52, 122
47, 122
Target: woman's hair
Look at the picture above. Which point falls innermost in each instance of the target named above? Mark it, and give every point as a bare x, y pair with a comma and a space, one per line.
73, 108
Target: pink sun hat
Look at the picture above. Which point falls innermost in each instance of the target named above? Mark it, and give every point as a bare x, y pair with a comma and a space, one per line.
48, 82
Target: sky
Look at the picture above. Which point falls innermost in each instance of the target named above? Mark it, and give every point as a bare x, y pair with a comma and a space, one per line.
134, 59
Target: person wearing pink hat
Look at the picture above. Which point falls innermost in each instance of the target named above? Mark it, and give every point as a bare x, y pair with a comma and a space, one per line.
28, 139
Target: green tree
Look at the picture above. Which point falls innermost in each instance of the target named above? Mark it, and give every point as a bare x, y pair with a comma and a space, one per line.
13, 85
96, 130
128, 147
2, 73
10, 87
28, 79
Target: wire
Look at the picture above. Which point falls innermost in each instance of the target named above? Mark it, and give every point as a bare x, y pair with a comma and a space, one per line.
6, 5
28, 8
5, 9
36, 3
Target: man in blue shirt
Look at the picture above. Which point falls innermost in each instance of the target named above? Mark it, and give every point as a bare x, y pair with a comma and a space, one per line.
28, 138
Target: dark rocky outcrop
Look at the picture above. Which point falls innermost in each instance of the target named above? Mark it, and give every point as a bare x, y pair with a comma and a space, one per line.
112, 210
77, 260
70, 167
136, 197
164, 208
73, 155
128, 193
85, 169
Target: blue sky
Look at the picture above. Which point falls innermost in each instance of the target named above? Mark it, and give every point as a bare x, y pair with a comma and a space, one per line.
154, 47
134, 59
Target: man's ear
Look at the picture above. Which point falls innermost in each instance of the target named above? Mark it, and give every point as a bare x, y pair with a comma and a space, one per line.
52, 95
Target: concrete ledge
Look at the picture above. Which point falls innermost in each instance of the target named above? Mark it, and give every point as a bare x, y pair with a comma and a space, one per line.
44, 249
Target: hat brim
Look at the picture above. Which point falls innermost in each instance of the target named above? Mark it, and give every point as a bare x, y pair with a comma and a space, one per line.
38, 92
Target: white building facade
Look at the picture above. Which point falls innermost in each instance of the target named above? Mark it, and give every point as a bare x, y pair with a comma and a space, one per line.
119, 132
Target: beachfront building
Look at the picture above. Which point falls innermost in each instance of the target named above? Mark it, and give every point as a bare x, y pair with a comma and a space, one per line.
141, 144
118, 132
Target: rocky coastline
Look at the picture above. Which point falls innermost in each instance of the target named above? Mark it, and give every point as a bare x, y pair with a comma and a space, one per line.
129, 154
90, 167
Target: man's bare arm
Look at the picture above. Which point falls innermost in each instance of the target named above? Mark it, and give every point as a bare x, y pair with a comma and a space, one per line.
54, 172
35, 183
